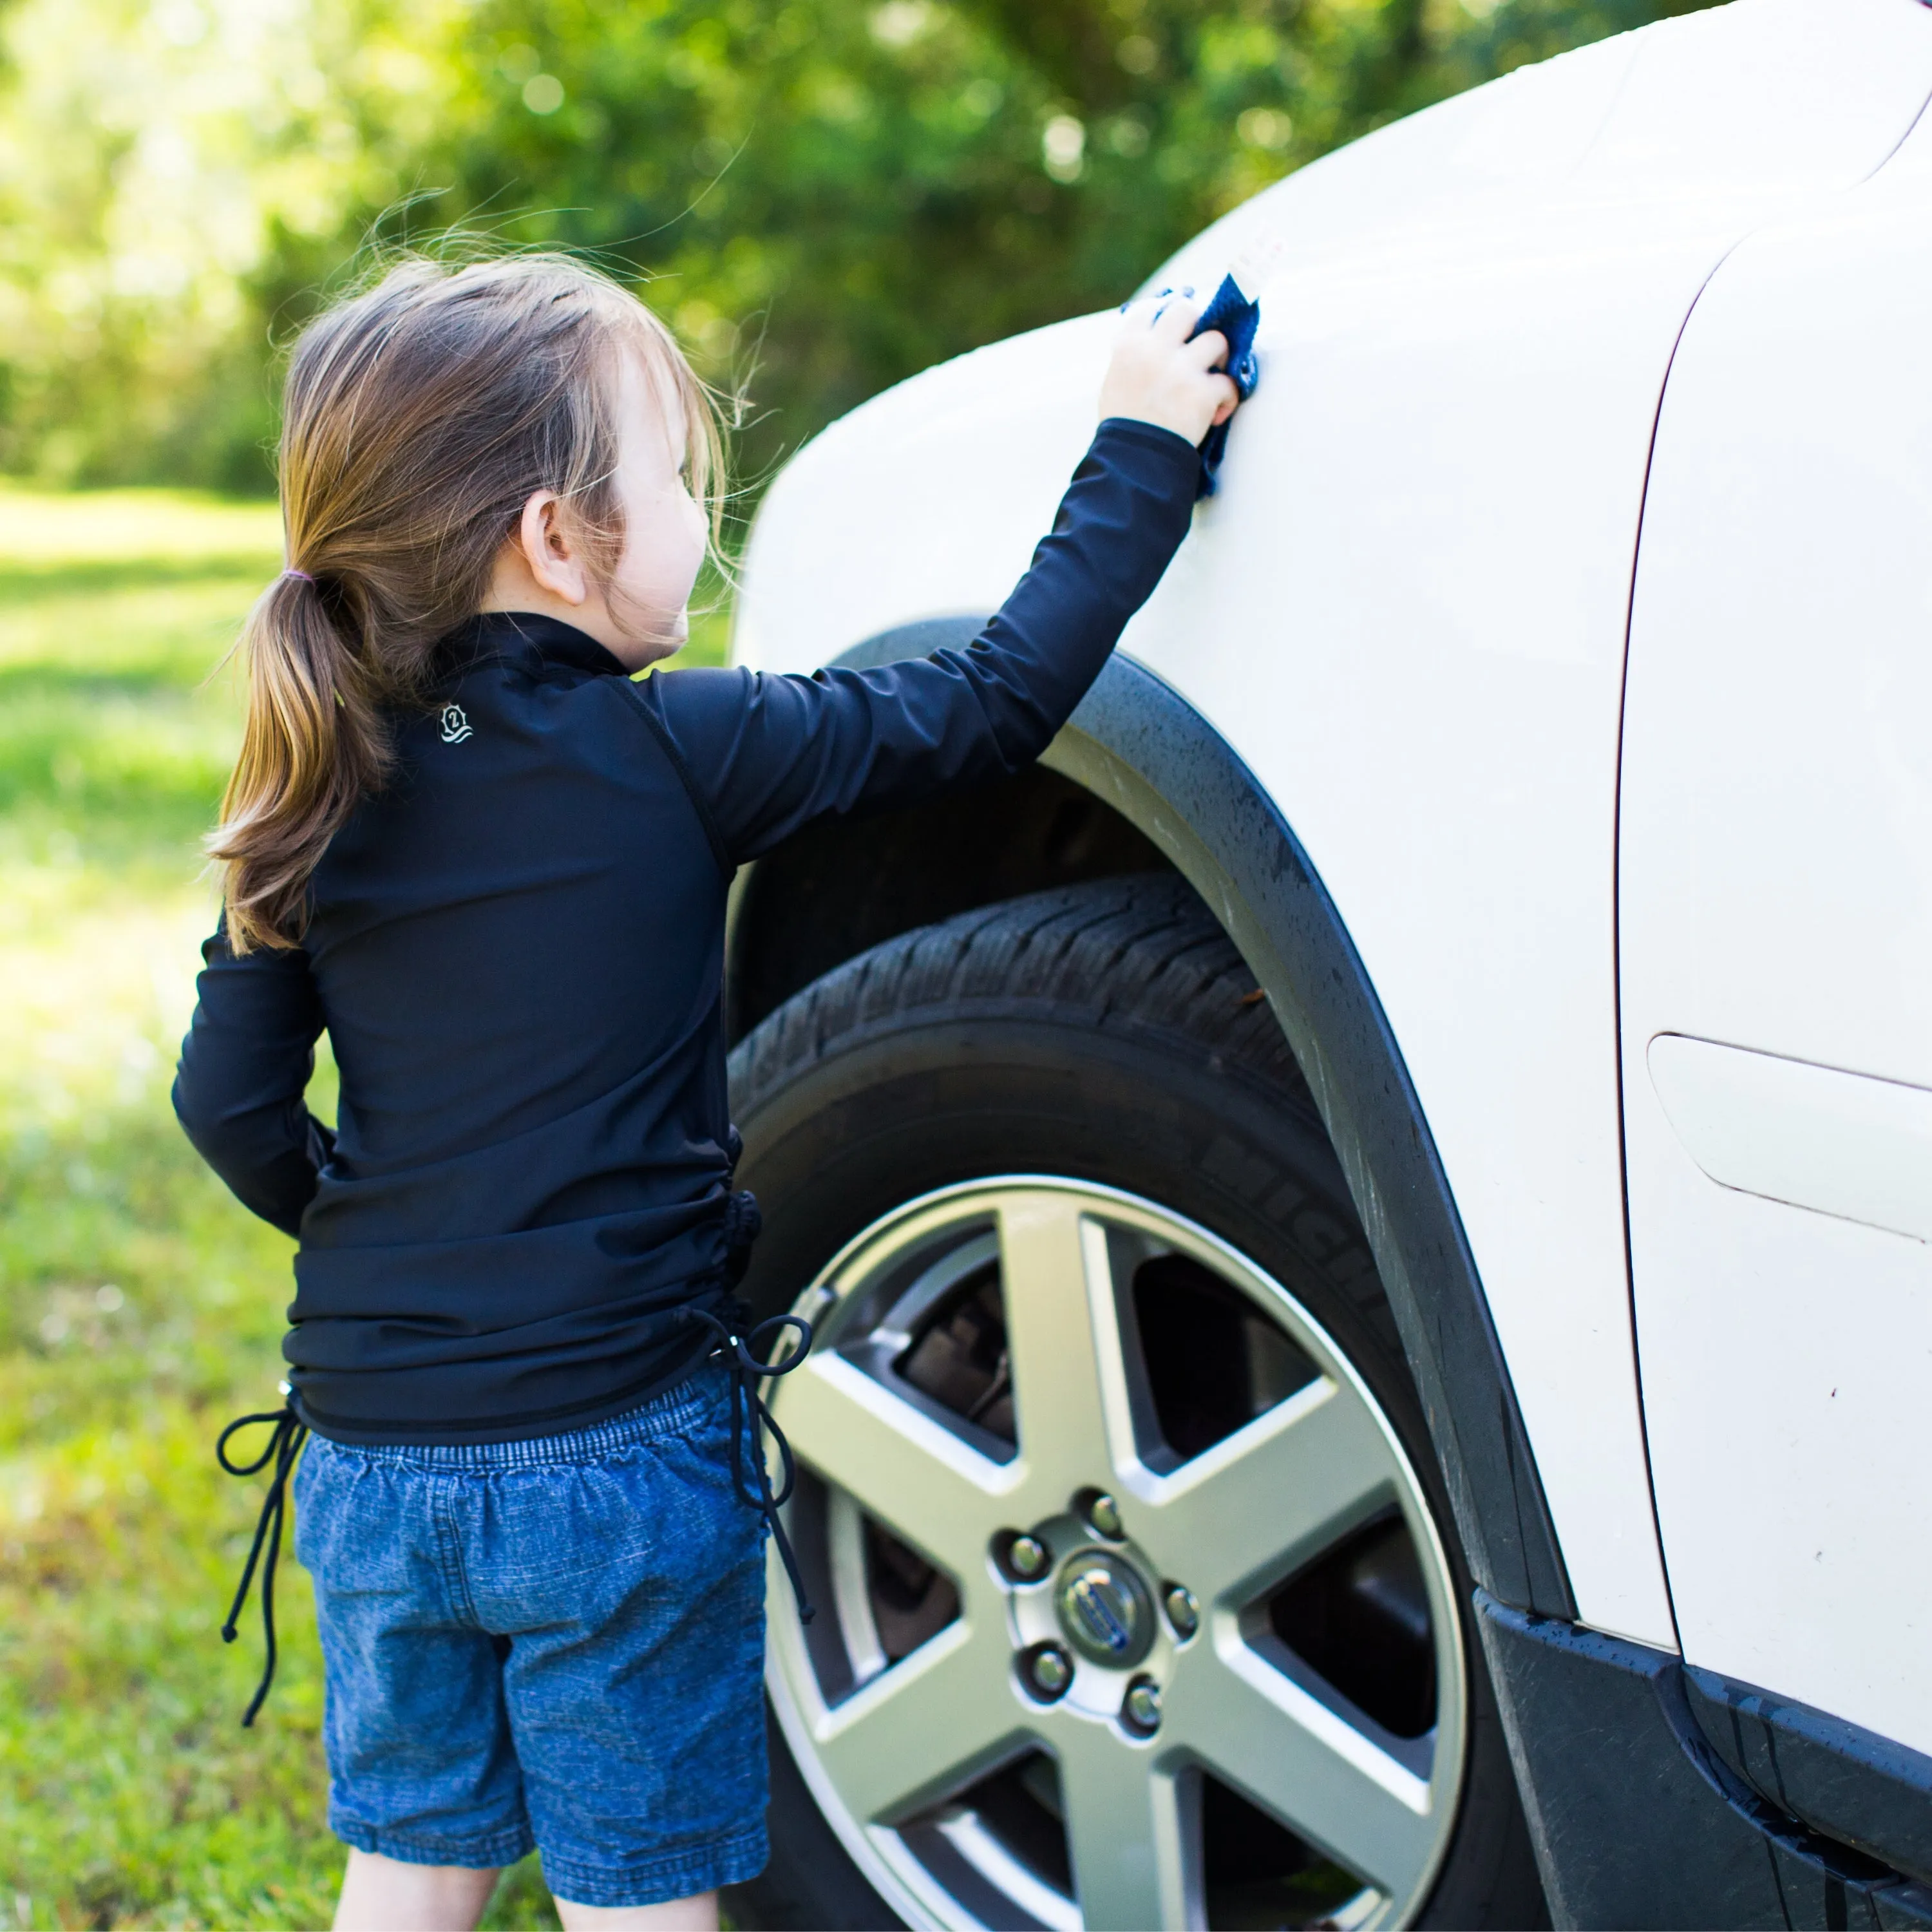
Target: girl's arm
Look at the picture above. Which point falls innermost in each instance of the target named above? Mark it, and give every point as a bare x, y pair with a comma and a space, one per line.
244, 1067
770, 753
767, 754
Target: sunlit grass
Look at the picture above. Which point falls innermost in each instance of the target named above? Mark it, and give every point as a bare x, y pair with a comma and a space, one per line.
140, 1307
184, 531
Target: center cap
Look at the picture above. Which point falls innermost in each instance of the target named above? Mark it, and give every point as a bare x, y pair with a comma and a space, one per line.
1105, 1608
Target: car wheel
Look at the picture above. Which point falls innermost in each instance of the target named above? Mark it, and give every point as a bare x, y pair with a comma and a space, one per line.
1139, 1602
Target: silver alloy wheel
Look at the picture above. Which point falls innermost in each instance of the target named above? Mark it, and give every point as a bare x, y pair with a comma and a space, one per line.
894, 1749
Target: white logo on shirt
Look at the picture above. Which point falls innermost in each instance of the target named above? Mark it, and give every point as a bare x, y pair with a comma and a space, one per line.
456, 728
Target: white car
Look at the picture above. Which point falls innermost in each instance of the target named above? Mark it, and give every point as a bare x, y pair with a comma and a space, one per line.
1368, 1222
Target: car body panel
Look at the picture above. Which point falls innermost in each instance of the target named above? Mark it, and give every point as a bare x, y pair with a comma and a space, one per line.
1776, 897
1406, 609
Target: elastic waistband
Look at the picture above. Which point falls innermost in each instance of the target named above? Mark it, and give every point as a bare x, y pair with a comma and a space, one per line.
664, 1414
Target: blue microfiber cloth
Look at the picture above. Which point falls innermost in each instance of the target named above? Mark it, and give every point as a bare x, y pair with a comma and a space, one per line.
1236, 313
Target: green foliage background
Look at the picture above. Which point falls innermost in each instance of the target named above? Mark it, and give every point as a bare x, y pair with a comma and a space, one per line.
826, 194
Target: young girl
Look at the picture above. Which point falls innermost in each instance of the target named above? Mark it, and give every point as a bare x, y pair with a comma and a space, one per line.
461, 838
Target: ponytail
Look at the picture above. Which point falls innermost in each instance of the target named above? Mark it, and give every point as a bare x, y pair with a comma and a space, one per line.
313, 744
418, 418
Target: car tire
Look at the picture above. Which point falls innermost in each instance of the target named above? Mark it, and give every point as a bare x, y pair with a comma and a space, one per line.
1107, 1036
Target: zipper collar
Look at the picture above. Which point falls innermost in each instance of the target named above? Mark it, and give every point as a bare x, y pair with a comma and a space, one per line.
531, 642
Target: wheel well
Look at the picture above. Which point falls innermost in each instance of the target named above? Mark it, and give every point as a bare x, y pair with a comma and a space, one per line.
1140, 781
845, 886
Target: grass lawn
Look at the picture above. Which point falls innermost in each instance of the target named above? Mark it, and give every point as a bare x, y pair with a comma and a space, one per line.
140, 1307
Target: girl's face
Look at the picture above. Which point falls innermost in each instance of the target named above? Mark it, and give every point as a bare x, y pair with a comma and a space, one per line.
641, 616
664, 539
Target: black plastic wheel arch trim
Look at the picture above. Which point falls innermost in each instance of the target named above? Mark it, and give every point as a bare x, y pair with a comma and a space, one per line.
1139, 746
1636, 1819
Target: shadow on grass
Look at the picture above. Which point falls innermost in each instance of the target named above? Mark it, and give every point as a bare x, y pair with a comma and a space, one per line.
124, 769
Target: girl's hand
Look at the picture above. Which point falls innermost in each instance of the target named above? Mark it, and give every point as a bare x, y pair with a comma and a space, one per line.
1157, 375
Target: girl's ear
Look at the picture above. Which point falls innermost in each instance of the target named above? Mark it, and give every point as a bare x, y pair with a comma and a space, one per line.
551, 546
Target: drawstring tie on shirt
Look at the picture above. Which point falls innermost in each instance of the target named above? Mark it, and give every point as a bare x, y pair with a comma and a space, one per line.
285, 1444
748, 1414
740, 1349
737, 1346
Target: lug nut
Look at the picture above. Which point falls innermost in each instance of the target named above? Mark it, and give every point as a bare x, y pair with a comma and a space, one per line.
1103, 1516
1049, 1669
1026, 1557
1140, 1709
1183, 1612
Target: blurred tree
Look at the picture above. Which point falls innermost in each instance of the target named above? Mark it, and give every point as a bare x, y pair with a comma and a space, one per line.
169, 170
829, 194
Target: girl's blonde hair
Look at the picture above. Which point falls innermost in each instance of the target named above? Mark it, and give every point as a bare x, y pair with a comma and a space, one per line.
418, 418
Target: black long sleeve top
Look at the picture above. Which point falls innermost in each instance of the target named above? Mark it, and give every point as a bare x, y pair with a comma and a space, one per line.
516, 948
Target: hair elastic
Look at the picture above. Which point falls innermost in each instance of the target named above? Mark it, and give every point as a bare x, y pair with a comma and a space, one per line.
292, 572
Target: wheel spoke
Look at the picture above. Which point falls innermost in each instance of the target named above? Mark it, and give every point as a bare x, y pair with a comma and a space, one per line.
1259, 1732
1290, 1482
918, 1478
931, 1723
1126, 1836
1230, 1524
1068, 1398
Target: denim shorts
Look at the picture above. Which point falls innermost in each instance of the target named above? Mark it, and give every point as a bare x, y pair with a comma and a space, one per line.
555, 1644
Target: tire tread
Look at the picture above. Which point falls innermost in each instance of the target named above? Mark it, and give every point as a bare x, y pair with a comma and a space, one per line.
1142, 953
